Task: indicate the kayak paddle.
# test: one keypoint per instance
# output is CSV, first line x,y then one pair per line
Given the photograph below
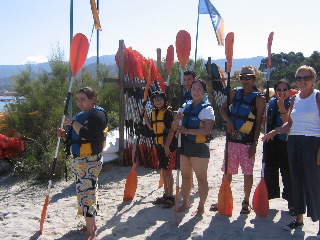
x,y
225,199
78,54
183,47
260,201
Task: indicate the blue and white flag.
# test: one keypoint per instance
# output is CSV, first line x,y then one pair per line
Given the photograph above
x,y
205,7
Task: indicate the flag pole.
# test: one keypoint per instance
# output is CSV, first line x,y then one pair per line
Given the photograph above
x,y
71,37
195,54
97,43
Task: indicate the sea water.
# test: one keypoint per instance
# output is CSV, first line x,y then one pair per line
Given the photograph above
x,y
4,100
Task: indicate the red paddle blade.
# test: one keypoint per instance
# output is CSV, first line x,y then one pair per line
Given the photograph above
x,y
183,47
131,184
260,201
43,214
169,58
78,52
225,199
270,39
229,50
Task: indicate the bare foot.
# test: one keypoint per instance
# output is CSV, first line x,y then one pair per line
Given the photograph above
x,y
84,228
198,212
90,237
182,208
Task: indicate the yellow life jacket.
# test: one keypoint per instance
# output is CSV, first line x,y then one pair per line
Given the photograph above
x,y
157,121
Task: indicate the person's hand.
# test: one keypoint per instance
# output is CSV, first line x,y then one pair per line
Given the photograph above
x,y
182,129
230,126
175,122
167,151
252,150
265,119
68,122
61,133
269,136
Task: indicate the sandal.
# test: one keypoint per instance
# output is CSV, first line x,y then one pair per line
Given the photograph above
x,y
214,207
169,202
160,200
245,207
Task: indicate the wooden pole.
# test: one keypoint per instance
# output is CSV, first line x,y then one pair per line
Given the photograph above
x,y
159,64
210,80
121,104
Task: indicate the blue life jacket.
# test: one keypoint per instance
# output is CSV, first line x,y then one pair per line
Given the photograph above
x,y
82,147
243,112
274,115
191,121
187,96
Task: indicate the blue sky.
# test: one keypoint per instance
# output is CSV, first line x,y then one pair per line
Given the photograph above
x,y
31,29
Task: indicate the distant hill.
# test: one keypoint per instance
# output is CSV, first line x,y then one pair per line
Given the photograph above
x,y
6,71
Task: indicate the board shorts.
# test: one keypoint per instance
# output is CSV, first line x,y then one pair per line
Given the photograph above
x,y
190,149
86,171
163,159
238,154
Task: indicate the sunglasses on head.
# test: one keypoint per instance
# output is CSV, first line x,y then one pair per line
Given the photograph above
x,y
282,89
306,78
157,98
246,77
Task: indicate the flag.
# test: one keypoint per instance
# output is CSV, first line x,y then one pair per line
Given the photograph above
x,y
205,7
95,15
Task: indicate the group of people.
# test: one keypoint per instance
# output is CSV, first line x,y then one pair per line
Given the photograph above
x,y
291,145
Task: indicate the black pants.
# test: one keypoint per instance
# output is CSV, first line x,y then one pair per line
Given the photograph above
x,y
276,158
305,174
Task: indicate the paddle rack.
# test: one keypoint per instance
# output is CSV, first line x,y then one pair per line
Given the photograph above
x,y
123,84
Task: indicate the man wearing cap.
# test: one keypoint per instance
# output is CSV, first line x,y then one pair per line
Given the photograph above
x,y
243,129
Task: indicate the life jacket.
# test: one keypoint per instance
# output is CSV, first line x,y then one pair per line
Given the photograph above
x,y
243,112
191,120
187,96
81,147
159,128
10,147
274,115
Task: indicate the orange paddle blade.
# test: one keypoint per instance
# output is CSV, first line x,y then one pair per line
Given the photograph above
x,y
169,59
260,201
229,50
270,39
78,52
131,184
44,212
225,199
183,47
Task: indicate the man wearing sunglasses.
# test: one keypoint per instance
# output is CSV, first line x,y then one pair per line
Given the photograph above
x,y
243,129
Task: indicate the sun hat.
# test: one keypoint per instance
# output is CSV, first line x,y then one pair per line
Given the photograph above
x,y
247,70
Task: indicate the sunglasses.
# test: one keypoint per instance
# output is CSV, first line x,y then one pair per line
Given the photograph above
x,y
282,89
157,99
246,77
306,78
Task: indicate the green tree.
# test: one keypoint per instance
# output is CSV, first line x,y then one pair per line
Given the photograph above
x,y
283,65
37,117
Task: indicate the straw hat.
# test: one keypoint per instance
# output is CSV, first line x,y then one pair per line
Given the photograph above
x,y
247,70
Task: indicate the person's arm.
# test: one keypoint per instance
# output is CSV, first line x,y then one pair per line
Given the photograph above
x,y
146,118
260,105
224,114
285,128
94,128
284,113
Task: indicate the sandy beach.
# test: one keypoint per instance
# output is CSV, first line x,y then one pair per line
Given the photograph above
x,y
21,204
